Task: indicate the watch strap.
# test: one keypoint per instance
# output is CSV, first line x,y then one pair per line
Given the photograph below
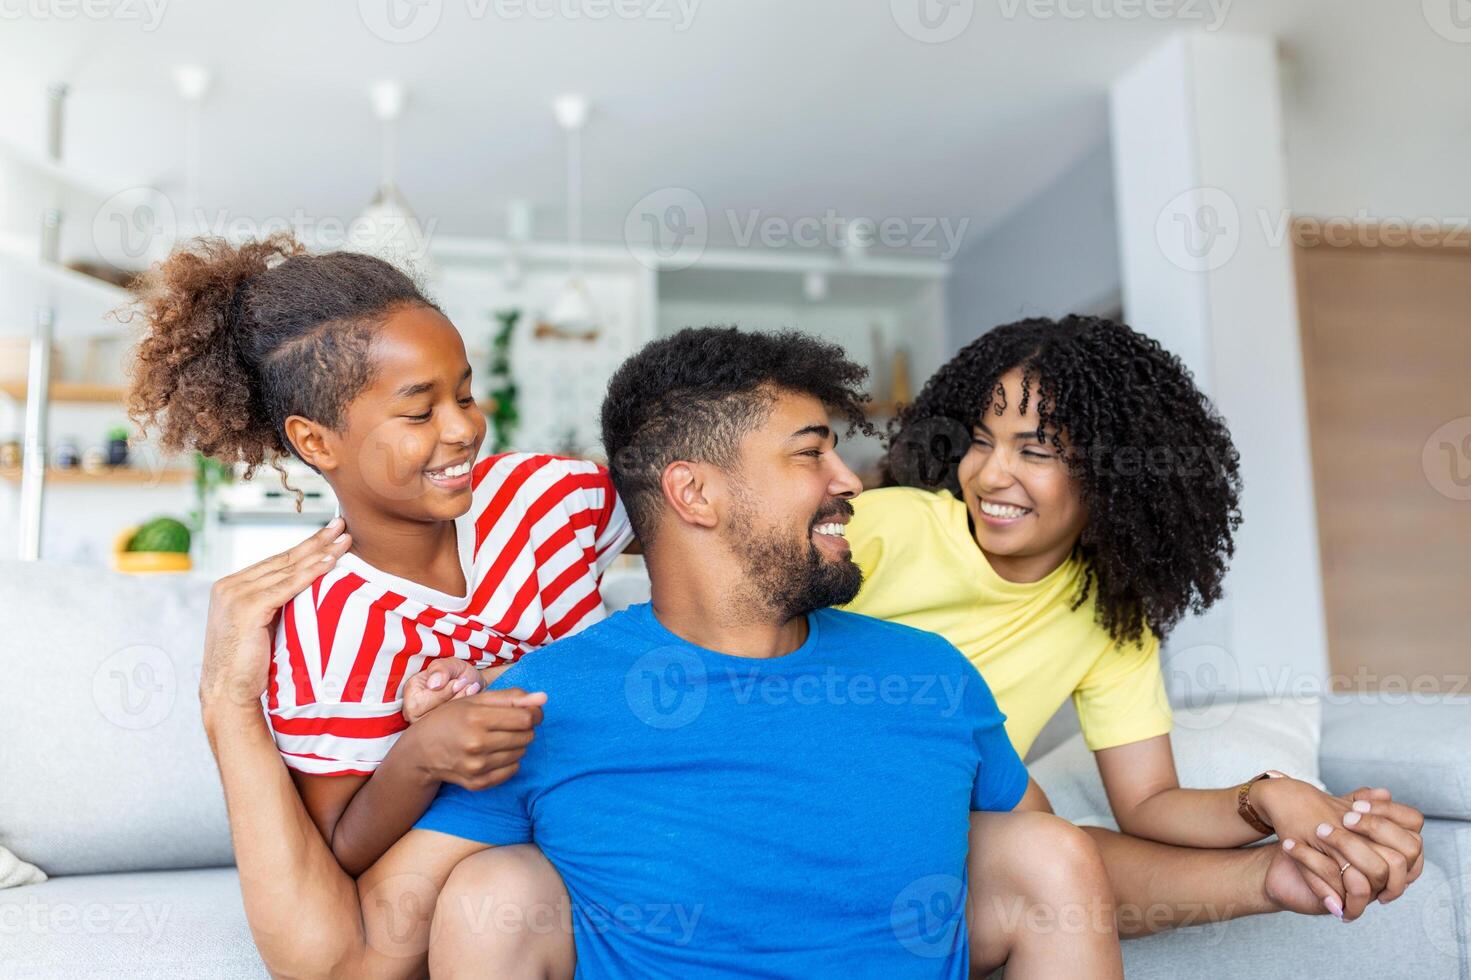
x,y
1249,812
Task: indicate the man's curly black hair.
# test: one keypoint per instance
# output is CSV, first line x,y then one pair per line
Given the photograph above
x,y
1154,461
693,396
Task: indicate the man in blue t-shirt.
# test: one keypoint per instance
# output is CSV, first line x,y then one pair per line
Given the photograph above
x,y
734,779
715,814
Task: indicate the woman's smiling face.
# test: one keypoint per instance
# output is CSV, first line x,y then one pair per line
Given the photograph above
x,y
1024,504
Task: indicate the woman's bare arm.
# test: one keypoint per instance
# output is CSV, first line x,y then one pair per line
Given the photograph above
x,y
308,917
1376,840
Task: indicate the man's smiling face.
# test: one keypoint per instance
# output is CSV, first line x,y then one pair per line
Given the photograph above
x,y
788,505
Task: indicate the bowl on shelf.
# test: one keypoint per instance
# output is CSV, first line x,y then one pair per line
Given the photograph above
x,y
145,562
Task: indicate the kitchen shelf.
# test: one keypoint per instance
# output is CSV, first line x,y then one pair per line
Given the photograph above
x,y
71,391
114,475
59,177
18,255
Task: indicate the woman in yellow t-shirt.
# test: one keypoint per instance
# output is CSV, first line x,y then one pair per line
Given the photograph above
x,y
1056,499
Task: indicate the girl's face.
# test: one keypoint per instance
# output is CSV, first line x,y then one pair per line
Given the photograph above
x,y
1024,504
412,436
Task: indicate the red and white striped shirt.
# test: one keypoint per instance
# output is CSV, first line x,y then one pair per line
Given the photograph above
x,y
539,533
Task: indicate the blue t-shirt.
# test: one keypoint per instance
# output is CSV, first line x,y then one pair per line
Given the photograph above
x,y
722,816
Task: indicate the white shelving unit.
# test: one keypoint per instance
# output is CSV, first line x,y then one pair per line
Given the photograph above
x,y
40,296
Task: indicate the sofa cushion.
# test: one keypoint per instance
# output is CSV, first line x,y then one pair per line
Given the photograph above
x,y
147,925
1448,846
1419,747
106,766
1213,747
1415,936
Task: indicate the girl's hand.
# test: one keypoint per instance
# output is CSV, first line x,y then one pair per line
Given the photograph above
x,y
242,610
1376,838
446,679
476,741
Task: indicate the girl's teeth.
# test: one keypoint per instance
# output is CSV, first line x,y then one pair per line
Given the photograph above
x,y
1004,511
450,472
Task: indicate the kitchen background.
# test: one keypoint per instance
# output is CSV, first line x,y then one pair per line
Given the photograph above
x,y
572,178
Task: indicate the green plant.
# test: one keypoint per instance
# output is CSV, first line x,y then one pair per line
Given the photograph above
x,y
502,410
209,475
118,433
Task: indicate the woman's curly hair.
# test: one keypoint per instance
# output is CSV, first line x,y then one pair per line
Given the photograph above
x,y
238,338
1153,460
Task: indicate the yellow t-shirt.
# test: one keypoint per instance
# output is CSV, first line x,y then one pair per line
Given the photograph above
x,y
922,568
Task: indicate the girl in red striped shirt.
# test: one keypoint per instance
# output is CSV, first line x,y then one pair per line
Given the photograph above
x,y
259,351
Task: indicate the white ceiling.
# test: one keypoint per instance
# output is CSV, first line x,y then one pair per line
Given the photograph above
x,y
789,107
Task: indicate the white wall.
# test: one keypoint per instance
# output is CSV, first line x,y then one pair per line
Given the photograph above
x,y
1056,254
1197,137
1376,98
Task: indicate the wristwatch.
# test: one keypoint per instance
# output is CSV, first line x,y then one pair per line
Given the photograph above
x,y
1247,811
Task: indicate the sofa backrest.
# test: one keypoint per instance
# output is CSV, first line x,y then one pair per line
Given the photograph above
x,y
104,764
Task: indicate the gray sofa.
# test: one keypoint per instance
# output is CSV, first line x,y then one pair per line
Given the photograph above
x,y
107,784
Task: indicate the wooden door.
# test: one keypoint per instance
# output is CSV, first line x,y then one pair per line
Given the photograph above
x,y
1386,336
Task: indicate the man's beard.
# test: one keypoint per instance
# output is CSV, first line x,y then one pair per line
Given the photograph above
x,y
791,577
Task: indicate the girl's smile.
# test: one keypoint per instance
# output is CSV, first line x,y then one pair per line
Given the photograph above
x,y
453,477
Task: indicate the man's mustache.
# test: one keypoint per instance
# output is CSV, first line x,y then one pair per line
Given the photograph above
x,y
837,507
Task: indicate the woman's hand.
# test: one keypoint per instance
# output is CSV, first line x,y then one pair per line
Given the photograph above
x,y
1377,838
242,610
476,741
446,679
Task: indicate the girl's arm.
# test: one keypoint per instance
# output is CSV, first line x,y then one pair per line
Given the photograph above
x,y
1379,839
475,742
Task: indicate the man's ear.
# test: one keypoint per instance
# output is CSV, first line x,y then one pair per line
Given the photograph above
x,y
686,491
314,443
